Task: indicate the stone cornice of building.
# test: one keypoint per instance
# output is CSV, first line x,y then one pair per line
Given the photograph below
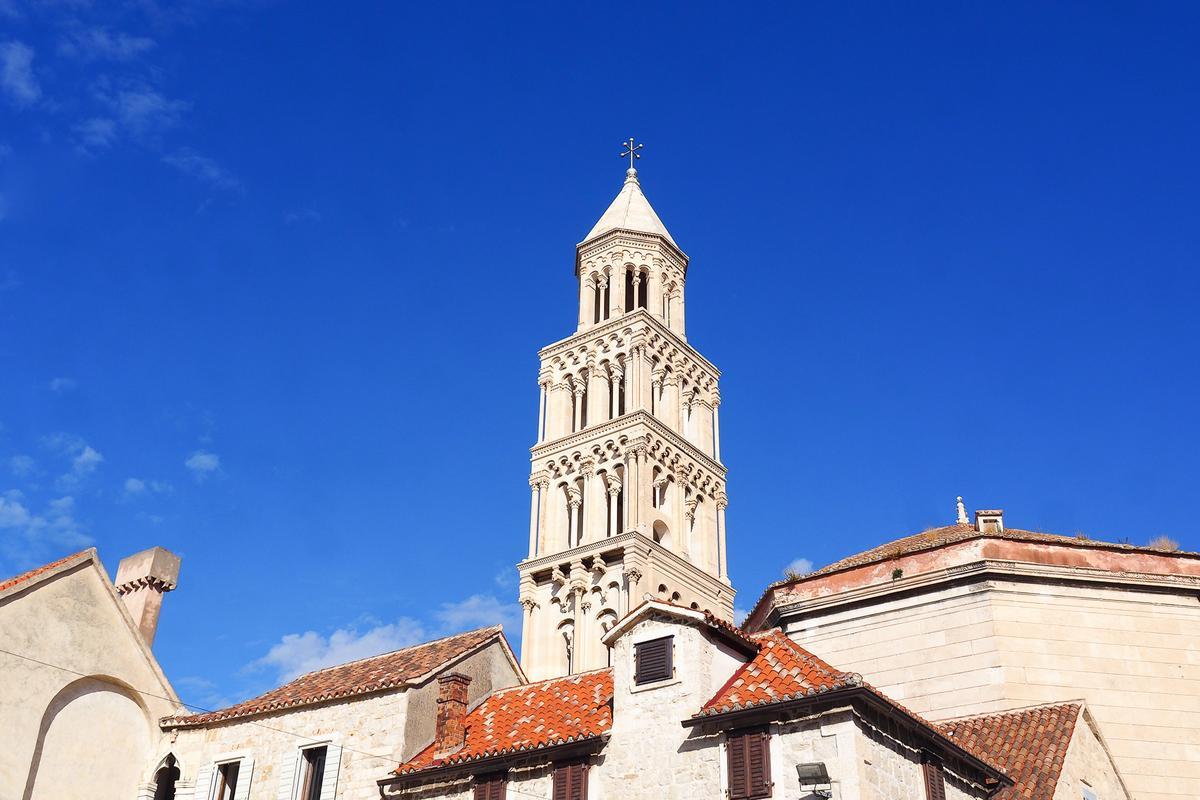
x,y
622,541
635,239
602,329
978,570
629,420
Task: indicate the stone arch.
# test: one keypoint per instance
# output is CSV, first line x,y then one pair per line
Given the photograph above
x,y
92,742
662,533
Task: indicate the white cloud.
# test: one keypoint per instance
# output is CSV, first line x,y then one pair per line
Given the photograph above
x,y
479,611
136,487
62,384
16,73
297,653
739,615
96,133
204,169
801,566
84,458
100,44
144,110
203,463
12,513
27,535
200,694
21,465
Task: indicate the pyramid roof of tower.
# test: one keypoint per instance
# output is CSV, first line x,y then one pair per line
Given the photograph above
x,y
630,211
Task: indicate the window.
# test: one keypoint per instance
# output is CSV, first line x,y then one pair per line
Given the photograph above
x,y
225,783
652,660
312,773
165,778
749,764
490,787
935,780
570,781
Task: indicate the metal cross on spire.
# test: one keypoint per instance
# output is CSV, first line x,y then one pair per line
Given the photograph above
x,y
631,151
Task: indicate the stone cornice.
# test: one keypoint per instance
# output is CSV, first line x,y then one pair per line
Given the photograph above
x,y
623,542
981,570
601,330
628,421
634,239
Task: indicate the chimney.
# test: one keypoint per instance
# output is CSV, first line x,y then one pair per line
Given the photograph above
x,y
990,520
451,732
141,581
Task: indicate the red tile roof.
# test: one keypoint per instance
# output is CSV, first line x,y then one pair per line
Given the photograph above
x,y
531,717
377,673
1030,745
782,670
33,573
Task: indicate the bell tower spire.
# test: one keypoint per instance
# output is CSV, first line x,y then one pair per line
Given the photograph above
x,y
627,486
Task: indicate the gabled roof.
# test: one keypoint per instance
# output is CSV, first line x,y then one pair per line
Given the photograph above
x,y
395,670
630,211
725,630
530,717
1029,744
782,670
46,570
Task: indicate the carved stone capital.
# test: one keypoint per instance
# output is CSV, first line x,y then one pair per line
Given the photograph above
x,y
539,480
614,488
529,604
587,467
635,574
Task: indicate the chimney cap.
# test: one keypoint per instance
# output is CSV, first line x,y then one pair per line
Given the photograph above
x,y
989,520
157,567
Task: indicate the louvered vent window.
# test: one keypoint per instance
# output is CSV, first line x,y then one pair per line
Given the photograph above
x,y
652,660
935,780
570,781
749,764
490,787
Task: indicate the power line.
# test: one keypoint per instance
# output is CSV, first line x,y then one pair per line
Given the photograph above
x,y
202,709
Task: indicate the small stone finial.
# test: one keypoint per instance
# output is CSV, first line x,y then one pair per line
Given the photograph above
x,y
962,513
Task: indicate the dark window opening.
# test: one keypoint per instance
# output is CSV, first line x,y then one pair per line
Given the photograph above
x,y
165,778
643,285
652,660
227,777
749,758
628,290
312,773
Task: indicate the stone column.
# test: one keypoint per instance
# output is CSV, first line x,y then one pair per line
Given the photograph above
x,y
596,395
559,421
635,455
543,487
716,423
587,299
670,401
656,393
616,381
534,495
578,418
592,507
689,525
722,559
543,388
678,523
614,492
528,604
702,426
654,290
574,501
637,290
660,493
678,314
616,290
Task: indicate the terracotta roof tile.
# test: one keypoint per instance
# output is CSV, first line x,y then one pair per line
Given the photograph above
x,y
377,673
782,670
33,573
531,717
1030,745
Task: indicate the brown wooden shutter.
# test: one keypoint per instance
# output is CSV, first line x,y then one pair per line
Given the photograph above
x,y
758,761
935,780
570,781
735,746
653,660
490,787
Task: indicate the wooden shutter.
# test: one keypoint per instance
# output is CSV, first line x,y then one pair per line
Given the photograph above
x,y
490,787
245,774
653,660
935,781
333,765
570,781
204,782
749,761
287,777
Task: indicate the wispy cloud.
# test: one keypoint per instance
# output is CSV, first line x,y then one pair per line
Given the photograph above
x,y
141,109
203,464
297,653
799,566
101,44
25,535
63,385
137,487
96,133
204,169
200,694
21,466
478,611
16,73
83,457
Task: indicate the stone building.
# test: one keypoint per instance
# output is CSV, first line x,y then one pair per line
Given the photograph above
x,y
330,733
978,617
692,707
81,693
628,490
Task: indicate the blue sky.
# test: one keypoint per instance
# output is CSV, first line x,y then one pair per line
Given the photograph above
x,y
273,277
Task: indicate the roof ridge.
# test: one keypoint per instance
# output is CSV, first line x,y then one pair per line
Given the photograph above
x,y
1075,703
548,681
391,652
29,574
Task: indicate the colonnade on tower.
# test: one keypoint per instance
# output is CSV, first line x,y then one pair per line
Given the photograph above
x,y
627,489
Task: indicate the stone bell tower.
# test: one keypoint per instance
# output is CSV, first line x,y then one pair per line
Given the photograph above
x,y
628,491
